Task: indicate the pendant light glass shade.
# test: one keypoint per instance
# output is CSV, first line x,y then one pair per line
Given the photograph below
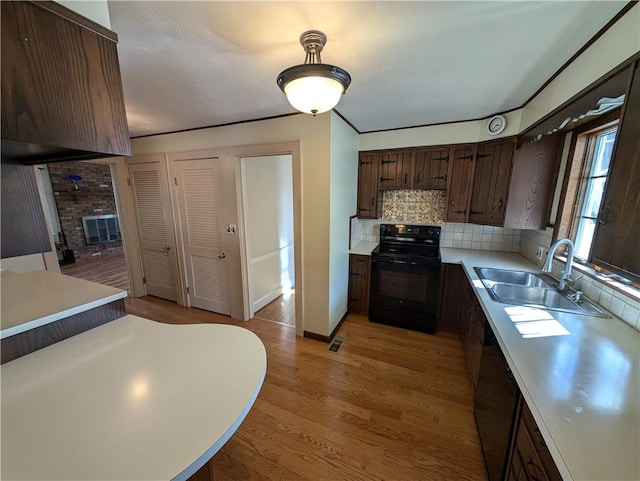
x,y
313,87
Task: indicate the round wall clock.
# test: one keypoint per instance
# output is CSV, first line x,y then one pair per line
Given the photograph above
x,y
496,124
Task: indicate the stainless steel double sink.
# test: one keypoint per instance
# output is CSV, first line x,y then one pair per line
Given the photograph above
x,y
533,290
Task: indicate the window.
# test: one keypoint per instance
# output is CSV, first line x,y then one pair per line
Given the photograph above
x,y
599,147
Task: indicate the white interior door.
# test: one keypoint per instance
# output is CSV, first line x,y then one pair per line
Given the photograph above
x,y
199,204
153,215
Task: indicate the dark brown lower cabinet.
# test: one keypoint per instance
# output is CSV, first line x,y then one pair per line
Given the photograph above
x,y
523,447
531,459
359,283
460,312
451,310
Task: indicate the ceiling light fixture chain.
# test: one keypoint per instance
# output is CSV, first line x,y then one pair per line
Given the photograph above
x,y
313,87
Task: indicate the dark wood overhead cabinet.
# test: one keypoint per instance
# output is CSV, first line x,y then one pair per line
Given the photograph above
x,y
369,198
62,93
430,168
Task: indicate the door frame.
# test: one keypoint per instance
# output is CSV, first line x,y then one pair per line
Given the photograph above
x,y
260,150
127,220
243,207
233,213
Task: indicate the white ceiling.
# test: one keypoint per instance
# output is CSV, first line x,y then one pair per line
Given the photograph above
x,y
194,64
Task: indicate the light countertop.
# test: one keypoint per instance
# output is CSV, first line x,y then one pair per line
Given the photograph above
x,y
33,299
580,376
131,399
363,248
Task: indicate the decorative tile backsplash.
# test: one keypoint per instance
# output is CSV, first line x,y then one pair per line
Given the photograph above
x,y
414,206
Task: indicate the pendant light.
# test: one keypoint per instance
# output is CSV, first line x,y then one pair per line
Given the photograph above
x,y
313,87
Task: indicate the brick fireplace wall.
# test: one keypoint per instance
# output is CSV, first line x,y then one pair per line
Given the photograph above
x,y
94,197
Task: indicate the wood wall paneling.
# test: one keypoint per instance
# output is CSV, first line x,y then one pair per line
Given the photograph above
x,y
24,228
618,226
32,340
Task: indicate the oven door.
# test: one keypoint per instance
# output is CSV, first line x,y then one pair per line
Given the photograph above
x,y
404,293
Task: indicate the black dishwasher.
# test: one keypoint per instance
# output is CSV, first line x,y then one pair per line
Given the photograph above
x,y
496,402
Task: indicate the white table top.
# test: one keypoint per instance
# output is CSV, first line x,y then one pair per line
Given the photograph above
x,y
33,299
131,399
583,387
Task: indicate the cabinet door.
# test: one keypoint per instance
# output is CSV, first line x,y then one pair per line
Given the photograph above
x,y
533,181
358,283
459,182
491,183
395,170
61,82
430,168
368,202
618,226
451,309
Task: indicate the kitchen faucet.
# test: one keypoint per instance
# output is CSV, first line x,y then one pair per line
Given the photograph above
x,y
564,275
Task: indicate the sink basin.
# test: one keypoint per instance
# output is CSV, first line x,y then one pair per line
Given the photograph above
x,y
529,289
521,278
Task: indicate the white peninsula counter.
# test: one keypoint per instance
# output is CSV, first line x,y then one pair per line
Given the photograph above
x,y
131,399
33,299
41,308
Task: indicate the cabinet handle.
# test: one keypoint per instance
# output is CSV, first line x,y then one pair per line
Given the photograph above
x,y
535,466
372,200
418,178
500,204
406,178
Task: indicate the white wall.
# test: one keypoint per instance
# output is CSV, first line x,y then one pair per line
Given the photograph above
x,y
344,181
267,184
96,10
313,136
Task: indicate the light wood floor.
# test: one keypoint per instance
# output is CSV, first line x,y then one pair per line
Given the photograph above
x,y
391,405
109,270
283,310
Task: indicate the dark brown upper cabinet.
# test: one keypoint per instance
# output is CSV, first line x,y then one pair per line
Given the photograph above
x,y
62,93
430,168
618,227
369,198
459,177
395,169
490,187
533,181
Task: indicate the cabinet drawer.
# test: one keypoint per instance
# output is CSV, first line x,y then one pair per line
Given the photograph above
x,y
540,446
528,456
357,260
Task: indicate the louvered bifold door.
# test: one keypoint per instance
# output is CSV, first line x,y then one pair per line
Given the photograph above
x,y
153,214
199,207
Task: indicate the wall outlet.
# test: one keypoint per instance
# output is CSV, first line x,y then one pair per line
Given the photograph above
x,y
231,229
540,252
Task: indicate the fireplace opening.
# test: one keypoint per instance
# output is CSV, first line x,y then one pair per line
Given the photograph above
x,y
100,229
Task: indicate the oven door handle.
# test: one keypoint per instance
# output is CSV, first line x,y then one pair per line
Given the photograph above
x,y
410,263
